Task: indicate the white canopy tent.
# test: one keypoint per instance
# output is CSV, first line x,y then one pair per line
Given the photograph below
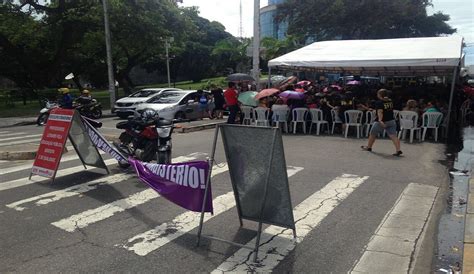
x,y
430,56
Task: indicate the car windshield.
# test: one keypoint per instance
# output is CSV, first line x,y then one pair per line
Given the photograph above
x,y
144,93
168,98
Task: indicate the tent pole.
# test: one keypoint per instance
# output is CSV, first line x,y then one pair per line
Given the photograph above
x,y
269,77
448,117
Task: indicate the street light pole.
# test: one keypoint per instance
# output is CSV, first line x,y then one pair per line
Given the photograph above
x,y
167,45
256,43
108,48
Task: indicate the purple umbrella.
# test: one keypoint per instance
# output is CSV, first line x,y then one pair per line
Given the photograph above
x,y
290,94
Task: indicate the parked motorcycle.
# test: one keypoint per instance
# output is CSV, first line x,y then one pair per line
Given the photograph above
x,y
146,137
44,112
92,110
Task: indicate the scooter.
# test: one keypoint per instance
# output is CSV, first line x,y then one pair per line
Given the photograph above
x,y
44,112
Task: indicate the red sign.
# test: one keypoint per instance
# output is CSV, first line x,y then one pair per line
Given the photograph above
x,y
52,143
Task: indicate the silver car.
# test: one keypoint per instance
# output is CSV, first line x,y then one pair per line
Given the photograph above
x,y
178,104
127,105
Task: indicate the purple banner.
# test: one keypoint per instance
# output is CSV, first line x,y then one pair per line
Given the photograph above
x,y
182,183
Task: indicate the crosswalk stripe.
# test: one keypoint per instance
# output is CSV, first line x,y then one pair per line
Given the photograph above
x,y
26,141
36,179
277,242
62,172
13,134
101,213
1,132
54,196
23,137
146,242
390,248
29,165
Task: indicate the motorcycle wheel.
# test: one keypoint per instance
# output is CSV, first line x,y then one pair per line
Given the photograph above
x,y
96,113
42,119
164,157
149,152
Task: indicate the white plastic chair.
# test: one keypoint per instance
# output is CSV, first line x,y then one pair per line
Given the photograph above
x,y
299,116
409,122
369,121
280,116
431,120
353,119
261,116
396,114
335,119
247,115
317,118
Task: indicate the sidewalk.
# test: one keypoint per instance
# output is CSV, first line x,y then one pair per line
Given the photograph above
x,y
468,253
24,121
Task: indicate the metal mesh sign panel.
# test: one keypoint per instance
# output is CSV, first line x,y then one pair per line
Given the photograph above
x,y
248,153
83,144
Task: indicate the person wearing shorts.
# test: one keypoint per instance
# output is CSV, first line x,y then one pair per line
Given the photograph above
x,y
385,120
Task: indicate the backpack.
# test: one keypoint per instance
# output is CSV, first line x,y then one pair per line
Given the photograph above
x,y
203,99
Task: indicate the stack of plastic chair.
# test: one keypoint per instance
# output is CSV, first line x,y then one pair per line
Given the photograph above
x,y
280,116
299,116
261,116
409,122
317,118
369,121
431,120
353,119
247,115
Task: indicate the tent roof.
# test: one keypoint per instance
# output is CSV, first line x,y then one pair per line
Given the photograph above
x,y
405,56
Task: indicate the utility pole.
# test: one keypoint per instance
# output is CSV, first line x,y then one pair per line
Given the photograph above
x,y
256,43
108,48
168,42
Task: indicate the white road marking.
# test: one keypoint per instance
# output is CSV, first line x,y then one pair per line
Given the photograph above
x,y
13,134
151,240
391,247
101,213
4,132
54,196
32,141
32,136
30,164
36,179
277,242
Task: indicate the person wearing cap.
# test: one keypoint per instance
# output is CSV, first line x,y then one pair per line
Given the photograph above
x,y
66,99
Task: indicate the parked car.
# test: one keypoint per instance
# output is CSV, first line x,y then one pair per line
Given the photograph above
x,y
178,104
127,105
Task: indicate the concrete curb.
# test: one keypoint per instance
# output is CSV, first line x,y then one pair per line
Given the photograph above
x,y
198,128
468,254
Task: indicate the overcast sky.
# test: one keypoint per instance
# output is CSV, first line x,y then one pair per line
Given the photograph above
x,y
227,13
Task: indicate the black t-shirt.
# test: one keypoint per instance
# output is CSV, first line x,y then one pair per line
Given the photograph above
x,y
387,107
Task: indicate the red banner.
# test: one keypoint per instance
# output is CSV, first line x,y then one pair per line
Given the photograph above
x,y
52,143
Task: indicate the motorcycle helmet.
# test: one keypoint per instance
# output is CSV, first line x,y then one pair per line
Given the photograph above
x,y
149,114
63,90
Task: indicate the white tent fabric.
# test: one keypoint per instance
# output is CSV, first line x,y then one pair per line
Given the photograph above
x,y
405,56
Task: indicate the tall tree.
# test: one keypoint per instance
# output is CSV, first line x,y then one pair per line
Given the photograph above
x,y
362,19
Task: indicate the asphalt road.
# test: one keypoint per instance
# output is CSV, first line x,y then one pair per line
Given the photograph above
x,y
355,211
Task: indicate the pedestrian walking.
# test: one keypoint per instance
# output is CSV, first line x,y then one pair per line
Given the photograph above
x,y
231,96
385,120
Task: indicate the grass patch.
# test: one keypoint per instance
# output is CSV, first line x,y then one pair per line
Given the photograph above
x,y
11,104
